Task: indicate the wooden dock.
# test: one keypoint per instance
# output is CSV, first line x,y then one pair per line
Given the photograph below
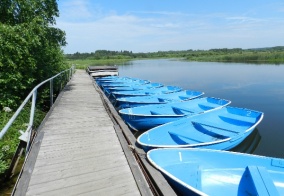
x,y
84,148
77,151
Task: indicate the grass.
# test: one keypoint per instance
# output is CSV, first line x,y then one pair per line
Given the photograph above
x,y
10,141
84,63
275,57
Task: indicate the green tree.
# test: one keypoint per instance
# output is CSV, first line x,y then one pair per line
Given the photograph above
x,y
30,47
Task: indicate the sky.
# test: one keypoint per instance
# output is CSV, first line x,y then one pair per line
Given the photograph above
x,y
163,25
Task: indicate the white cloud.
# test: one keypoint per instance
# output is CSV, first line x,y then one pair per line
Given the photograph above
x,y
244,19
160,13
80,11
90,27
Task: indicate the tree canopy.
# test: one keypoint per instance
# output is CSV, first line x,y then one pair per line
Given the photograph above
x,y
30,47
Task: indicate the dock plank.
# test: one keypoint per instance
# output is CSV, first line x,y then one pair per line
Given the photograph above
x,y
84,183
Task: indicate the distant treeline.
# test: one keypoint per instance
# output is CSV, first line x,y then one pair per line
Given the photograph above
x,y
269,55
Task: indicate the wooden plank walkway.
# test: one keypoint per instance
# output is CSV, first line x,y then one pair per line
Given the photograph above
x,y
77,151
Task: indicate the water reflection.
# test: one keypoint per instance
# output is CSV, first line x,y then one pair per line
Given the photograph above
x,y
249,144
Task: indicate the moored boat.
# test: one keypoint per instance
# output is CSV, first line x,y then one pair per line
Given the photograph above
x,y
184,95
132,87
102,71
217,173
146,117
161,90
120,80
220,129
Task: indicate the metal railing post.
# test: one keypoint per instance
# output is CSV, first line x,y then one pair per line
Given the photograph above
x,y
51,92
60,78
66,77
31,122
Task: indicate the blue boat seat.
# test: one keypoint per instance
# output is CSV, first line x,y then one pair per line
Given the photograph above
x,y
183,138
213,131
181,111
154,113
207,106
164,100
231,126
257,181
236,121
184,98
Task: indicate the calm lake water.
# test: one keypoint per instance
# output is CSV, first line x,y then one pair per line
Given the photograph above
x,y
254,86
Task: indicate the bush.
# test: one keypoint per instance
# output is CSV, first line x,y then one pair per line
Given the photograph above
x,y
30,49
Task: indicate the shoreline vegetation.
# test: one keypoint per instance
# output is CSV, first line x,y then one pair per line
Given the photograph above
x,y
270,55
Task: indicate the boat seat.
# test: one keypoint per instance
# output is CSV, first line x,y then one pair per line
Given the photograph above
x,y
236,121
164,100
214,131
183,139
181,111
229,127
155,113
207,107
257,181
184,97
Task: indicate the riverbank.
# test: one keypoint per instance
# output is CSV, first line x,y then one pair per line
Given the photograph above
x,y
239,56
273,55
84,63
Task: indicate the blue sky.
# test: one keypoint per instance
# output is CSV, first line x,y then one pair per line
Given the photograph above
x,y
162,25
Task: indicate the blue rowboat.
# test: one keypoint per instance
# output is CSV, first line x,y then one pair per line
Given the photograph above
x,y
108,78
220,129
185,95
122,81
133,87
106,86
161,90
146,117
219,173
126,82
111,79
